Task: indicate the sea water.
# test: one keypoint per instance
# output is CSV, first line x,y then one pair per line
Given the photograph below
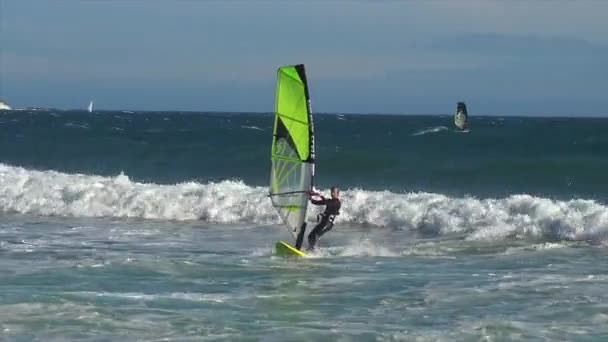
x,y
156,226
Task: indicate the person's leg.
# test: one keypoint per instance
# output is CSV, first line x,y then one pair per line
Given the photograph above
x,y
327,228
312,237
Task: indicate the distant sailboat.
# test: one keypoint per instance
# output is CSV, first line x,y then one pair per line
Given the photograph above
x,y
461,118
90,109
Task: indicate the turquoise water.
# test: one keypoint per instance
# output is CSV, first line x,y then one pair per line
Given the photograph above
x,y
104,279
156,226
500,156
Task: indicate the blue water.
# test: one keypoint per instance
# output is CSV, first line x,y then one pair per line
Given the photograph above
x,y
156,226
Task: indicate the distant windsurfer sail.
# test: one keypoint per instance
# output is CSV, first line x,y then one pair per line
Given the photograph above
x,y
461,117
90,108
293,152
4,106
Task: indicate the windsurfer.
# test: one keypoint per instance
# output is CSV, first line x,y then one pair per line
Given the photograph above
x,y
325,219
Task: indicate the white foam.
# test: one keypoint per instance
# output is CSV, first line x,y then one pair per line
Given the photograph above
x,y
536,247
83,126
360,248
255,128
430,130
517,216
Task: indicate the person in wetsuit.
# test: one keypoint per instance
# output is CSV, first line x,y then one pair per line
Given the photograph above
x,y
325,219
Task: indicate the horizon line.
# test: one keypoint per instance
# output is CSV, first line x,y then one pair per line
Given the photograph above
x,y
605,115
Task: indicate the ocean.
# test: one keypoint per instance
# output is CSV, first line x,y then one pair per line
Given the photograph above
x,y
155,226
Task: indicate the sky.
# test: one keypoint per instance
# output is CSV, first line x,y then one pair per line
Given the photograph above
x,y
400,57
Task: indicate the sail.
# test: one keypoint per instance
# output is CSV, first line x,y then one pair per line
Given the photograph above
x,y
461,117
4,106
90,108
293,150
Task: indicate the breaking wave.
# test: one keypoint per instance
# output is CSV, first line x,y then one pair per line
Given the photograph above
x,y
430,130
51,193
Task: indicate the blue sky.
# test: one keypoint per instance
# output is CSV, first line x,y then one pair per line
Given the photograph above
x,y
411,57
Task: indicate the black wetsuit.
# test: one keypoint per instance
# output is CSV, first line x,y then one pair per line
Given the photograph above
x,y
326,223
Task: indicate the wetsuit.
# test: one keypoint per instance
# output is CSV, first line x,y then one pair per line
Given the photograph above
x,y
326,222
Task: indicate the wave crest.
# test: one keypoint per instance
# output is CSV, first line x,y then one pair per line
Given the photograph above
x,y
517,216
430,130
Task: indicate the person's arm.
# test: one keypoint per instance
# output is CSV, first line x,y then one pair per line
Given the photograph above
x,y
322,201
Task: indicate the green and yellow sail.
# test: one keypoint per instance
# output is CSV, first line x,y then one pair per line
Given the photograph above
x,y
293,149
